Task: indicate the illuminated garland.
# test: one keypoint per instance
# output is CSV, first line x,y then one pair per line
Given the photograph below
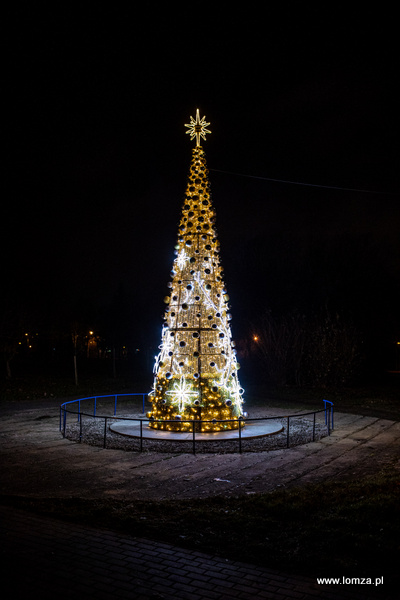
x,y
195,372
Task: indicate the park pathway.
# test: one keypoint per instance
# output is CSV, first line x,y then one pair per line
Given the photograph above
x,y
37,461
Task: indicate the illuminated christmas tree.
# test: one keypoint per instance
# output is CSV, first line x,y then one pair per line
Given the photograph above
x,y
196,370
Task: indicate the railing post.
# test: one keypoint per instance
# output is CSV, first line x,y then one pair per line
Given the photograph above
x,y
79,410
80,428
328,414
105,432
65,421
143,403
287,432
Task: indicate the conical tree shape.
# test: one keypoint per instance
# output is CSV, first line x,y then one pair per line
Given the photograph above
x,y
196,369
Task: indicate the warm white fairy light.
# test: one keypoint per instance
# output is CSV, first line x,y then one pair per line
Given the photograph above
x,y
235,392
197,128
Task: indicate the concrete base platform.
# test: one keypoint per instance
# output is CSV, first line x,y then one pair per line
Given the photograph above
x,y
253,429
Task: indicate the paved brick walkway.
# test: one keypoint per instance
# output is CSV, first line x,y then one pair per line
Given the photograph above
x,y
52,559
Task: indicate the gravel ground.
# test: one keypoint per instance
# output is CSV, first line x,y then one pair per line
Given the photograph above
x,y
301,432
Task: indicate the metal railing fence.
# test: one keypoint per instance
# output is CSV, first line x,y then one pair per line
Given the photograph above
x,y
327,410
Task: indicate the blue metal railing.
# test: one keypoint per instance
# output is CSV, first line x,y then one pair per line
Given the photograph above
x,y
95,398
327,410
328,414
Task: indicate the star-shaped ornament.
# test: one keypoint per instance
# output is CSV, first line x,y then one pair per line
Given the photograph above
x,y
197,128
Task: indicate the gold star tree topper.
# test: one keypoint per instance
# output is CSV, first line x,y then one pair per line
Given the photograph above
x,y
197,128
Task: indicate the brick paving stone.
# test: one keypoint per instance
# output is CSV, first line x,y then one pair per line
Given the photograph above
x,y
185,595
165,551
167,562
154,570
182,586
265,594
112,554
249,570
198,570
249,595
243,588
226,583
229,593
156,580
134,555
231,571
290,593
127,577
214,574
253,578
176,578
202,585
172,571
211,595
286,585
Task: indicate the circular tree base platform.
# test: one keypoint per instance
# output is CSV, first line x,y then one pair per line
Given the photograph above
x,y
255,429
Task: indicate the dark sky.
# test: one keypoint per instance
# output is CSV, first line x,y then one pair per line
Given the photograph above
x,y
97,155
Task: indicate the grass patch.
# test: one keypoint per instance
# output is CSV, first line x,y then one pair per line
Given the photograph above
x,y
382,401
342,529
38,387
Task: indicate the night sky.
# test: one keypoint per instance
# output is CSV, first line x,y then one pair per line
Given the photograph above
x,y
97,157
